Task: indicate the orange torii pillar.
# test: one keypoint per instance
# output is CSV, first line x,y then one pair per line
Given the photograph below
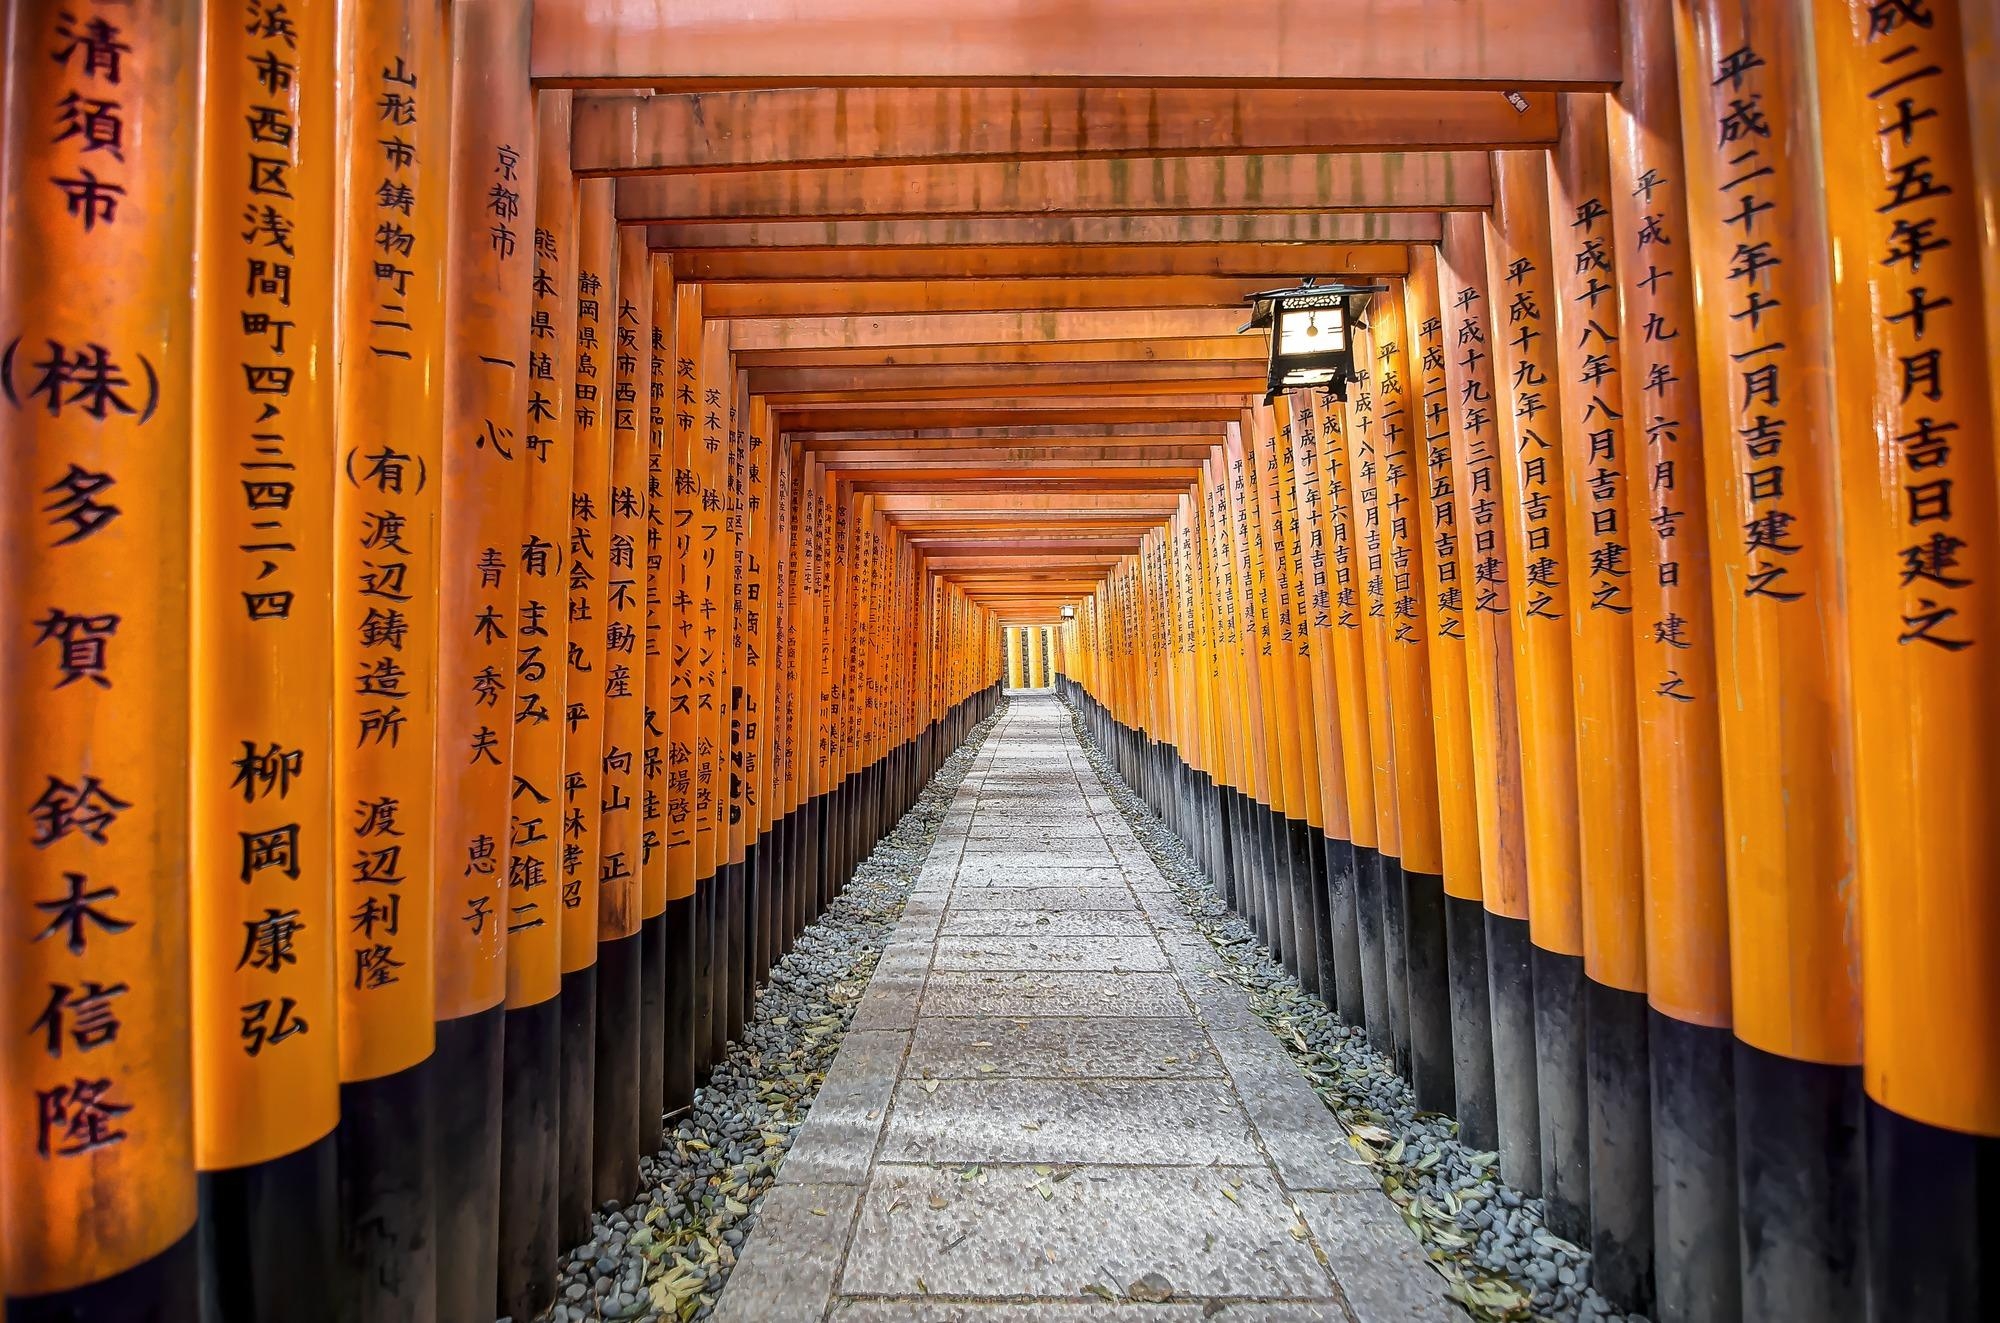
x,y
531,1094
618,1130
651,387
587,571
1446,569
710,569
1326,574
1478,453
1674,677
389,464
1385,986
1225,762
1519,267
747,697
1257,882
688,900
729,786
1757,221
663,805
1399,443
97,1185
1348,644
1308,859
1275,649
488,280
1598,468
261,848
1916,410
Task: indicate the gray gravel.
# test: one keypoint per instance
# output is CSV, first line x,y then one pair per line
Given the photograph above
x,y
1486,1238
667,1254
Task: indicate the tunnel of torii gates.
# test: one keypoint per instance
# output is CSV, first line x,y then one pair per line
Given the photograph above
x,y
505,502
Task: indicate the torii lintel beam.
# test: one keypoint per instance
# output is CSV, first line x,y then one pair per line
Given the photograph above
x,y
1383,181
1267,261
827,43
1058,231
680,132
1012,327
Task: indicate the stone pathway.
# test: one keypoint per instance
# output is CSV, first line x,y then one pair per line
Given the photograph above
x,y
1047,1111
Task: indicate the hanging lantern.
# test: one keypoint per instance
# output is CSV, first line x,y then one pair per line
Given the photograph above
x,y
1310,344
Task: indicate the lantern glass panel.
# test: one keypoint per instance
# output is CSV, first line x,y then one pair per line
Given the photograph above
x,y
1309,331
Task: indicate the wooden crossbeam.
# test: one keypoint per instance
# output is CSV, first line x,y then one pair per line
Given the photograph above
x,y
843,331
1284,262
1384,181
781,128
1130,228
828,43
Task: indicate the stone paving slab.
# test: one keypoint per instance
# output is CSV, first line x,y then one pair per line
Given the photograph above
x,y
1084,1121
985,922
1005,1237
976,875
1044,1090
1000,993
1043,897
1039,952
1075,1047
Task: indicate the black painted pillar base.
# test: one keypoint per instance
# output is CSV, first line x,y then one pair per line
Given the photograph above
x,y
1304,918
758,885
1396,955
1510,989
385,1169
1696,1255
465,1097
530,1119
1801,1191
677,1058
1616,1025
1429,980
615,1117
164,1289
652,1029
1562,1092
701,1023
576,1113
1348,997
1374,953
1934,1221
1326,977
729,959
1471,1024
267,1236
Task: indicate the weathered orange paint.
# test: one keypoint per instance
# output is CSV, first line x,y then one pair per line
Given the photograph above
x,y
1912,354
389,463
489,251
1677,689
1399,492
1597,469
263,936
1519,270
590,570
1765,356
1477,454
535,911
1446,572
87,1211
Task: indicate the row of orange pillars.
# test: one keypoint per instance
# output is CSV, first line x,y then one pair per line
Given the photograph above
x,y
1594,703
434,694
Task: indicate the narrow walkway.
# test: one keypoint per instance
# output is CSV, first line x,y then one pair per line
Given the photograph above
x,y
1046,1105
